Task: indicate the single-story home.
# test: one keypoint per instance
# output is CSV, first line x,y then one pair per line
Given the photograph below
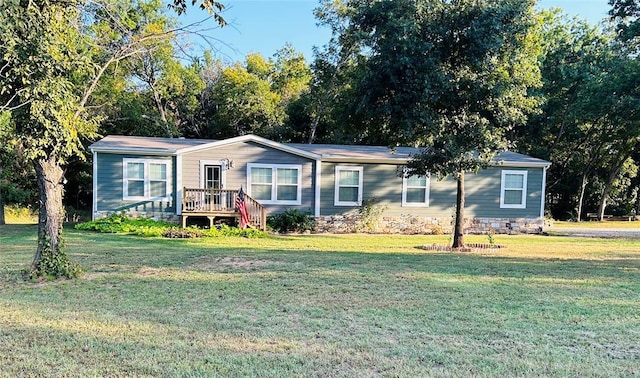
x,y
179,179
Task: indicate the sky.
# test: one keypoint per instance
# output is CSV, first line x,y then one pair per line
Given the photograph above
x,y
265,26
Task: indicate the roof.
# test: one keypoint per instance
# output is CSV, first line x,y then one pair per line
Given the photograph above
x,y
356,153
121,144
323,152
137,144
510,158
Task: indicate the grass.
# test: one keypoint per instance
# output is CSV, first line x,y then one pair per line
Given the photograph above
x,y
20,214
322,305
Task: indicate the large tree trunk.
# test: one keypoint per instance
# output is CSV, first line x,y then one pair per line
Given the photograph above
x,y
50,260
458,232
613,174
583,187
2,220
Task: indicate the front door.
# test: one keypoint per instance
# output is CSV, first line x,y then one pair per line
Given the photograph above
x,y
213,180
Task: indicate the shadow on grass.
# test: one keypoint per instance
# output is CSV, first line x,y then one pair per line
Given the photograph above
x,y
126,254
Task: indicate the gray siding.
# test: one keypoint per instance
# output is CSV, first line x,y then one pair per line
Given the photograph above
x,y
379,180
242,154
383,182
110,186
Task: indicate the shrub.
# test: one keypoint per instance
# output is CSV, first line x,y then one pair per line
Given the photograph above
x,y
183,233
147,227
118,223
292,220
225,230
370,212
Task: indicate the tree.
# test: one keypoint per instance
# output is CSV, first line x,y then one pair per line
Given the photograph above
x,y
450,75
588,124
244,100
334,68
4,121
54,54
254,97
572,118
625,14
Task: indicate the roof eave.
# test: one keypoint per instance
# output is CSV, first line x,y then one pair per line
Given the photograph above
x,y
365,160
252,138
515,164
134,151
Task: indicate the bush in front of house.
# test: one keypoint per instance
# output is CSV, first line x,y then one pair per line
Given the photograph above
x,y
292,220
148,227
118,223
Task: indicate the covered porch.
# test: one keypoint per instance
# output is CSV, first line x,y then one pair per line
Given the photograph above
x,y
220,203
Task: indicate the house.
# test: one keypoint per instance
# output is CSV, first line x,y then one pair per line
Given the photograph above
x,y
179,179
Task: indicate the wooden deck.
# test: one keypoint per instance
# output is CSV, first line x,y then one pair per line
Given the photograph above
x,y
212,203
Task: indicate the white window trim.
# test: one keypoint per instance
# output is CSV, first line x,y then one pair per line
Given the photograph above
x,y
336,199
427,189
274,184
523,204
147,179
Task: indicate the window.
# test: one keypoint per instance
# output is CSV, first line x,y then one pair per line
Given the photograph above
x,y
415,191
348,190
275,183
145,179
513,190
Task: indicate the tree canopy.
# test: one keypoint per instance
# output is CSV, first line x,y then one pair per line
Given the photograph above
x,y
452,77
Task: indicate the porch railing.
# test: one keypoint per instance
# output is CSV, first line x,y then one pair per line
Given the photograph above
x,y
221,202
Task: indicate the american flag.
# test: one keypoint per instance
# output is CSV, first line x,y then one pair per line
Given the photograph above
x,y
241,207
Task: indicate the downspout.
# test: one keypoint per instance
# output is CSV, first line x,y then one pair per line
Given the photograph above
x,y
317,188
178,191
94,205
544,194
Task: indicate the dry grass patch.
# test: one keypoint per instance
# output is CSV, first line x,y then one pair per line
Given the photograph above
x,y
325,305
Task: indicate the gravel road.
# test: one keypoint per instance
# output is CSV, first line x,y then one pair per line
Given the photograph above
x,y
598,232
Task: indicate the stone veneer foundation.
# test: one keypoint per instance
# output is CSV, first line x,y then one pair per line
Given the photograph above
x,y
411,224
403,224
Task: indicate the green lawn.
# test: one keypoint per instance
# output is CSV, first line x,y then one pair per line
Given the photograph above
x,y
326,305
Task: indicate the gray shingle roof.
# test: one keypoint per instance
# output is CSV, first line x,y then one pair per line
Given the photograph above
x,y
169,145
339,151
329,152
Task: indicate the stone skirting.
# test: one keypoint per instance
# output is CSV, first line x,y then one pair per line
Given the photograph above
x,y
411,224
403,224
145,214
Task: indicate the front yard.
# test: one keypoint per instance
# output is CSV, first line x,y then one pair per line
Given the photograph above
x,y
322,305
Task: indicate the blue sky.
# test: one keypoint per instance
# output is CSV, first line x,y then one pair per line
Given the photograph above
x,y
265,26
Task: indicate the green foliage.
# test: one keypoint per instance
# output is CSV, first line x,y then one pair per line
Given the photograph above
x,y
117,223
370,212
53,55
246,103
251,97
225,230
291,220
182,233
54,263
491,237
625,15
140,226
452,77
21,214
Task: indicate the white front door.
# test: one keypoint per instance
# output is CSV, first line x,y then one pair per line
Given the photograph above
x,y
212,176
